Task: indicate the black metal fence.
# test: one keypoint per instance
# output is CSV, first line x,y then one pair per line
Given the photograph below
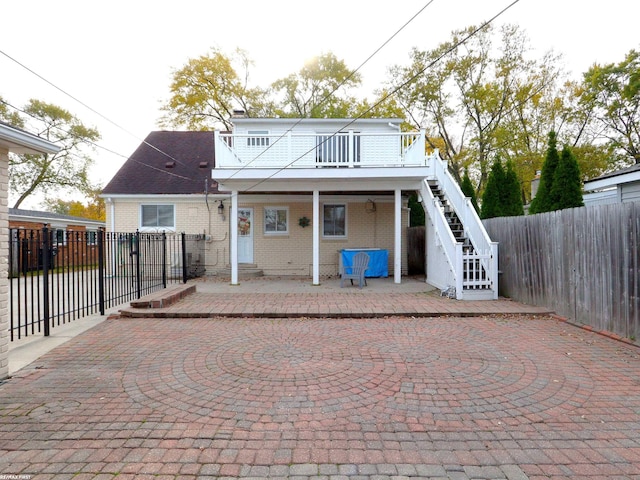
x,y
59,276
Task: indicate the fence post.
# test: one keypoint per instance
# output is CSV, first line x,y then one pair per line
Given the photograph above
x,y
184,257
495,273
164,259
136,252
46,247
101,269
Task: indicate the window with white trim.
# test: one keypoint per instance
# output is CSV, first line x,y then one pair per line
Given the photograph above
x,y
157,217
276,220
334,220
257,138
59,236
92,237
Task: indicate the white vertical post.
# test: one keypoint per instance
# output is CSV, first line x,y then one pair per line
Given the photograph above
x,y
494,269
4,264
397,253
350,149
459,271
316,237
233,230
112,214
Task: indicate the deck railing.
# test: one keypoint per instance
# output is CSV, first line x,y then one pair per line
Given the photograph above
x,y
306,150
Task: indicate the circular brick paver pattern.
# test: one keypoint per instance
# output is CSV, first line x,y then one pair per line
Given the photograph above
x,y
502,398
354,373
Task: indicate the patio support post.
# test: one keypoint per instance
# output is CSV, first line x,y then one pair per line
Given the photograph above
x,y
397,253
233,230
316,237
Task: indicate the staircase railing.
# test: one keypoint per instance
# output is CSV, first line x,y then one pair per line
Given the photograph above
x,y
486,250
451,247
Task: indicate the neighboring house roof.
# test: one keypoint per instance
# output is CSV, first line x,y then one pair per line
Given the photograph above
x,y
50,217
19,141
169,163
611,179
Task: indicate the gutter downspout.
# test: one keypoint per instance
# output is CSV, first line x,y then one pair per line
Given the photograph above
x,y
112,214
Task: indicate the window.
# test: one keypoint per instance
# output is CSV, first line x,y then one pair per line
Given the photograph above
x,y
92,237
59,236
334,149
157,216
276,220
334,222
257,138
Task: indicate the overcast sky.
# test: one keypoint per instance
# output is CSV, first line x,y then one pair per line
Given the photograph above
x,y
117,56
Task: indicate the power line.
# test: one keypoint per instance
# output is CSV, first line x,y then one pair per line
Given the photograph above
x,y
340,85
398,88
384,98
90,108
93,144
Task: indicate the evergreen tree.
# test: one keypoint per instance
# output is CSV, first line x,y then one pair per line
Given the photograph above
x,y
511,197
566,191
416,211
491,199
468,191
542,203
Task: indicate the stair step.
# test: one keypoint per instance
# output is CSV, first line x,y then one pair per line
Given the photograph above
x,y
244,271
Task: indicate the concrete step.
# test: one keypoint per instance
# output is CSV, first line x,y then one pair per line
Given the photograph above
x,y
477,294
245,270
165,297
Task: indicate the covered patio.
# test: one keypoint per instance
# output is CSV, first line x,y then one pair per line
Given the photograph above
x,y
316,183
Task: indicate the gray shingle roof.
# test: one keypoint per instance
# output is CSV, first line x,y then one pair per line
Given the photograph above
x,y
167,163
39,215
623,171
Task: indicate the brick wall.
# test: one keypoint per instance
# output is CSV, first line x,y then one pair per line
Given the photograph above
x,y
292,254
289,254
192,217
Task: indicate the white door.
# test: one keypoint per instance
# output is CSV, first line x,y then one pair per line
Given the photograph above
x,y
245,235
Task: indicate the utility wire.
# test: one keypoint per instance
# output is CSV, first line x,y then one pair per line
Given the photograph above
x,y
384,98
398,88
90,108
93,144
340,85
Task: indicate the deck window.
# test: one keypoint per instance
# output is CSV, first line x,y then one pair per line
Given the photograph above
x,y
157,216
276,220
334,220
258,138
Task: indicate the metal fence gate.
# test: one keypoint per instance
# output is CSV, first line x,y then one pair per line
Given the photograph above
x,y
59,276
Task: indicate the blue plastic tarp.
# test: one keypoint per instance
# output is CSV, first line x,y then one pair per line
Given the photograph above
x,y
378,260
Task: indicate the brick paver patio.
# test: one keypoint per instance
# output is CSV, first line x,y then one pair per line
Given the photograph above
x,y
497,397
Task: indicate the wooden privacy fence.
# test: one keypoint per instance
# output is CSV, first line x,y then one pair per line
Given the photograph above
x,y
584,263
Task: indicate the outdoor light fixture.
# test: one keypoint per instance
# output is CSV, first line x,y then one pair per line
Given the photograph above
x,y
221,208
370,206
